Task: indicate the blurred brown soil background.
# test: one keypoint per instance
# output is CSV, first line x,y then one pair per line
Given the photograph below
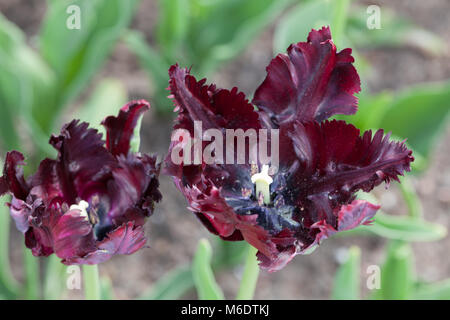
x,y
174,232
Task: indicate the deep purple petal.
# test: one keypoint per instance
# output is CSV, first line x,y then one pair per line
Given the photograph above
x,y
207,221
47,183
336,160
20,212
279,262
350,216
72,235
311,198
216,108
12,179
120,129
52,231
220,219
33,241
274,250
311,82
126,239
39,236
134,189
83,162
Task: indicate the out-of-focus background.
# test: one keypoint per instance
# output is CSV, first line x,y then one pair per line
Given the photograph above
x,y
50,74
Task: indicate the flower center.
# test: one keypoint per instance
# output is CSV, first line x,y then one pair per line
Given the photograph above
x,y
88,211
82,207
262,182
96,213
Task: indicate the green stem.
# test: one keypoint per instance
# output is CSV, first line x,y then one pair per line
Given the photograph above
x,y
91,282
54,278
203,275
411,198
249,277
7,280
31,264
339,20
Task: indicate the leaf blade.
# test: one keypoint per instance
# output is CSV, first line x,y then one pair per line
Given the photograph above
x,y
205,283
347,278
397,273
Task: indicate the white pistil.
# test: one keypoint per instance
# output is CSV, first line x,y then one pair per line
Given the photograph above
x,y
82,206
262,182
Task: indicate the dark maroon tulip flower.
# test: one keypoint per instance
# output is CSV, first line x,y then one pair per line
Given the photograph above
x,y
92,201
322,163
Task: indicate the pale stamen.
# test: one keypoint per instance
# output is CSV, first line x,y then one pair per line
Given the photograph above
x,y
262,181
82,207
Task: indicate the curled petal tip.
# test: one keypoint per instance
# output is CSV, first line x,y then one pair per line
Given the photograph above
x,y
120,129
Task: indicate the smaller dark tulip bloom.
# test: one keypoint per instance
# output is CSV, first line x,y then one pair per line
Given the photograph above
x,y
92,201
322,163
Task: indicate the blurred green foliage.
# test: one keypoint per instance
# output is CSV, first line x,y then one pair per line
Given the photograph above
x,y
9,287
173,285
397,273
202,34
37,85
346,281
204,281
398,279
